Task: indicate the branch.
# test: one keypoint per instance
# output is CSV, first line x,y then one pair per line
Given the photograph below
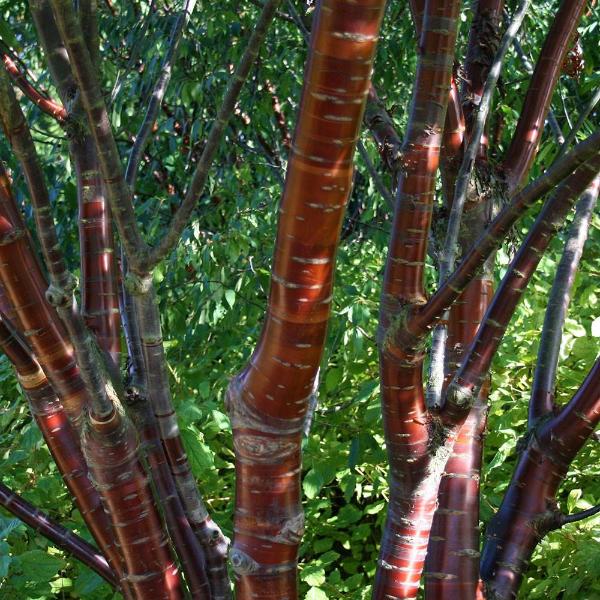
x,y
527,512
379,184
63,538
421,319
54,50
474,368
556,130
523,146
580,516
448,256
158,93
60,293
542,392
185,210
383,130
585,113
50,107
162,418
86,75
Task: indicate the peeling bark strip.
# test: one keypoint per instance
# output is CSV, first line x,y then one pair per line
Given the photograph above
x,y
62,441
269,399
25,287
529,509
63,538
530,126
110,448
413,496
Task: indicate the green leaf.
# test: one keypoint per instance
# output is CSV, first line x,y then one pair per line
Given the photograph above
x,y
314,575
230,297
40,566
316,594
312,484
5,561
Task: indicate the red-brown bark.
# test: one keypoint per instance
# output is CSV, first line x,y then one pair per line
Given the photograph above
x,y
269,399
524,143
62,441
406,424
529,509
49,106
110,448
25,286
474,368
100,300
63,538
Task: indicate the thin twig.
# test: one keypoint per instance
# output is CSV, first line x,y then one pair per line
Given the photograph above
x,y
584,514
185,210
585,113
381,187
158,93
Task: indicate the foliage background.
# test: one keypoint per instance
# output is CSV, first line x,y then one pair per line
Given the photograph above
x,y
213,293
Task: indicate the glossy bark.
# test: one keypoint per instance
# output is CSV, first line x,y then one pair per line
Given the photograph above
x,y
269,399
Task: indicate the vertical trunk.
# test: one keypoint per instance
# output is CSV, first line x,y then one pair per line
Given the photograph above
x,y
413,482
268,401
100,302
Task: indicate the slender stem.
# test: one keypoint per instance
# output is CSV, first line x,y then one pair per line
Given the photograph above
x,y
379,184
580,516
185,543
542,393
185,210
449,250
63,538
159,396
524,143
50,107
585,113
381,126
158,93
